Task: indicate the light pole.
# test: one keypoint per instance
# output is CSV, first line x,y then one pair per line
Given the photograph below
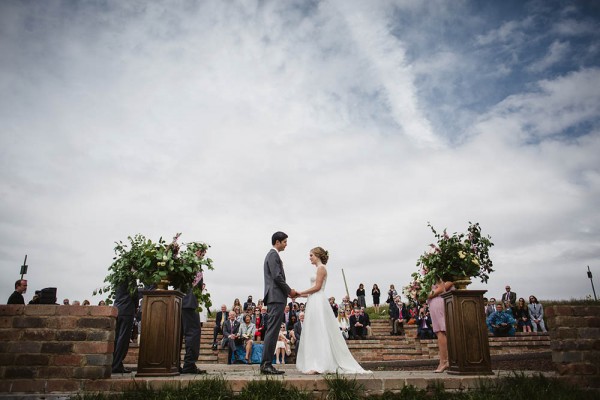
x,y
24,267
591,280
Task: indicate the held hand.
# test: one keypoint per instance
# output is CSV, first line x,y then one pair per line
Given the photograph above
x,y
293,293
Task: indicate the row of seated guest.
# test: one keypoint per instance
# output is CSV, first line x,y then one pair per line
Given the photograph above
x,y
526,317
236,333
357,325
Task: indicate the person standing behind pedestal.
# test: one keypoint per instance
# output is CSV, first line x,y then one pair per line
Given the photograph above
x,y
17,296
438,319
125,303
275,297
190,321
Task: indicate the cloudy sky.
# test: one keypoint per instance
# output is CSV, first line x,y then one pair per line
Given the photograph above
x,y
346,124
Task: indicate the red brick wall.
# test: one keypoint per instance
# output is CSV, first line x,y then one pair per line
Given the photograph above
x,y
575,342
45,346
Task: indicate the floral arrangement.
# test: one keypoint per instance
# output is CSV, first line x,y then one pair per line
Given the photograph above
x,y
143,262
456,255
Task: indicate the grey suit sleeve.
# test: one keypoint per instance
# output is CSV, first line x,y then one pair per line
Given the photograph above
x,y
276,271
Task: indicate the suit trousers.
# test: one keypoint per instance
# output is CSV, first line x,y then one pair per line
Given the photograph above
x,y
275,318
122,337
190,321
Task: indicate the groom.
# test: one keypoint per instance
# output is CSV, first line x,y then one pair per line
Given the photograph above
x,y
275,298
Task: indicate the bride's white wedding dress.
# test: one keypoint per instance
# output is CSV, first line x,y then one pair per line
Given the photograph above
x,y
322,346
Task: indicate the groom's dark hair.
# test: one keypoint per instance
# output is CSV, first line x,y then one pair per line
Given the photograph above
x,y
278,236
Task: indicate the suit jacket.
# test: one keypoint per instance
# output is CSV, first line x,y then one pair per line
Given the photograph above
x,y
221,316
536,311
124,301
354,319
510,296
276,289
190,300
367,320
230,329
394,311
298,330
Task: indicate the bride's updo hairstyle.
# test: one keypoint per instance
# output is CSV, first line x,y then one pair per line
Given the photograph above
x,y
321,254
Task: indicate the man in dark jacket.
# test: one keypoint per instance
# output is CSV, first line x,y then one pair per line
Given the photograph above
x,y
17,296
190,322
357,325
126,304
218,328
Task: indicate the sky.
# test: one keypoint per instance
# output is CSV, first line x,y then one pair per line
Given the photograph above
x,y
346,124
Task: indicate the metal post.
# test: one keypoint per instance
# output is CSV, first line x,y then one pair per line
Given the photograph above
x,y
24,267
589,273
345,284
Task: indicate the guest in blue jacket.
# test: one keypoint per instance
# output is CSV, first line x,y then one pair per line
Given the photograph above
x,y
501,323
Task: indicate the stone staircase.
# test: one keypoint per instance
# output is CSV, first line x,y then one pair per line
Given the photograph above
x,y
381,346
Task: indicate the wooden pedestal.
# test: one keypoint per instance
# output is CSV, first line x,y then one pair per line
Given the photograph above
x,y
160,341
468,345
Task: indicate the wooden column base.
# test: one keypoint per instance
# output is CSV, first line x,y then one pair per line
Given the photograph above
x,y
468,344
160,341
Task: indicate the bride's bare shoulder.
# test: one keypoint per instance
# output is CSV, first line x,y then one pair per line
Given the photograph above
x,y
322,270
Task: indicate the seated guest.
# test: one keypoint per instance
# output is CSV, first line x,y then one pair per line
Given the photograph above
x,y
424,328
363,312
508,307
536,314
297,332
357,325
231,336
249,303
218,328
236,302
398,316
282,346
501,323
259,327
491,307
344,324
239,315
521,314
290,327
246,333
334,307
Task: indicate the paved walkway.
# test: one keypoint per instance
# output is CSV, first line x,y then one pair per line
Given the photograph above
x,y
375,383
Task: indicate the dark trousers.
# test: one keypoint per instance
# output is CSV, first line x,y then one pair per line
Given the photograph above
x,y
274,320
191,332
216,331
122,336
357,332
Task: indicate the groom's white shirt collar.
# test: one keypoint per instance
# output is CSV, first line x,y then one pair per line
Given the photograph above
x,y
274,248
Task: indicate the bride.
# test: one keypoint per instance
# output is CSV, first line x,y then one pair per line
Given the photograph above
x,y
322,348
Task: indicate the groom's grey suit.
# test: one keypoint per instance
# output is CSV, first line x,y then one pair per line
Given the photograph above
x,y
276,294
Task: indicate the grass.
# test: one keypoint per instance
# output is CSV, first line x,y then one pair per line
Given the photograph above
x,y
516,386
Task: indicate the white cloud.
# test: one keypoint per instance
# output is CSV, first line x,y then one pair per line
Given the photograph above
x,y
229,121
556,53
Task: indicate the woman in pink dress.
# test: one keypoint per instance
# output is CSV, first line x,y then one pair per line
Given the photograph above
x,y
438,319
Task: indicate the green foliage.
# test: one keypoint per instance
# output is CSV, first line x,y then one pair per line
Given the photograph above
x,y
271,389
462,254
142,261
342,388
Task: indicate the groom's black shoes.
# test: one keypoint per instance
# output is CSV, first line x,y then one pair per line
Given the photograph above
x,y
269,370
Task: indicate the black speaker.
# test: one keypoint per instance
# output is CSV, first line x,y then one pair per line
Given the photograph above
x,y
48,296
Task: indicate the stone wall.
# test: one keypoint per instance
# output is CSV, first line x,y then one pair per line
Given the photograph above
x,y
575,342
47,348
